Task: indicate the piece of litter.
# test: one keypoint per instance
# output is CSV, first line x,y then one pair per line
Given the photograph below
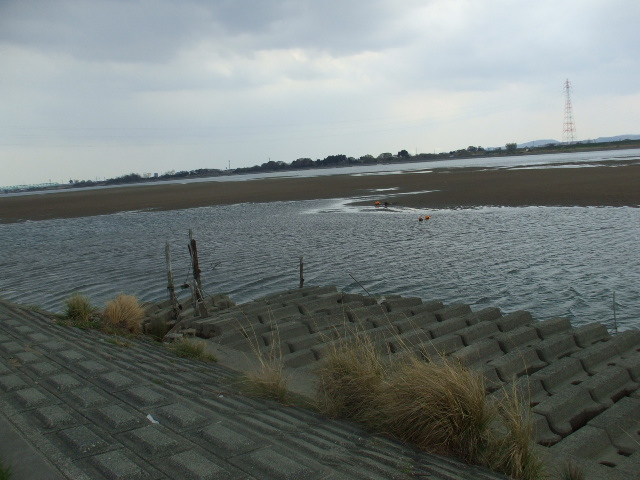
x,y
221,396
151,419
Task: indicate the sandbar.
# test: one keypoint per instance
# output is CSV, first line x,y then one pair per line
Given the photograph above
x,y
615,184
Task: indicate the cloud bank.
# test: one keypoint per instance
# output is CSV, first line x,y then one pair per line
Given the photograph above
x,y
92,89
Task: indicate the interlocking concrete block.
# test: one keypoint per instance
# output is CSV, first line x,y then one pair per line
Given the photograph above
x,y
439,347
552,326
632,364
478,332
83,441
306,342
517,363
487,314
322,303
517,338
627,343
430,306
299,359
452,311
401,304
285,332
478,353
447,326
559,374
598,356
353,299
542,434
569,409
389,318
271,315
296,294
591,333
514,320
320,323
556,347
528,389
610,385
590,443
407,341
362,314
621,422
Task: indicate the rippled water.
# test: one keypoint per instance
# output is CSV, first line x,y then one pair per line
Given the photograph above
x,y
550,261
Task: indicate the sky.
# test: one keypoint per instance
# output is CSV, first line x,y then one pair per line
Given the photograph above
x,y
94,89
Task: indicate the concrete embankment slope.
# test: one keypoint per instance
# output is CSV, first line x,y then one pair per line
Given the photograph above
x,y
78,404
581,382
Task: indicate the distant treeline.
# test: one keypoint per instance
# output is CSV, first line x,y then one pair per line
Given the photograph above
x,y
340,160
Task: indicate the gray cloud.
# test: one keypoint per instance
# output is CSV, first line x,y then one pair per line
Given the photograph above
x,y
231,79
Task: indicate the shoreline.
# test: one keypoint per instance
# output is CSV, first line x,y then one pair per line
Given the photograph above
x,y
613,185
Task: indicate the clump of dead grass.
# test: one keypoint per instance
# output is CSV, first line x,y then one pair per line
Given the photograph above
x,y
268,380
511,446
79,311
570,470
124,313
349,377
440,406
193,349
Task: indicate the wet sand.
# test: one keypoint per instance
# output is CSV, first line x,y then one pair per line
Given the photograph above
x,y
612,185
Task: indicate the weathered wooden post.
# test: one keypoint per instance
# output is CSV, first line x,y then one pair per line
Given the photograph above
x,y
301,271
175,305
198,298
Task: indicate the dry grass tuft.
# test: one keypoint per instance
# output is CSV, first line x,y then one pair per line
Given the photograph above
x,y
125,313
195,350
511,449
350,377
570,470
269,381
438,406
79,311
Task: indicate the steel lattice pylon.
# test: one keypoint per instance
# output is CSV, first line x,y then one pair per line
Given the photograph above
x,y
568,128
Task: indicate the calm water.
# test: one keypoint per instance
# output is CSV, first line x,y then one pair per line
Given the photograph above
x,y
550,261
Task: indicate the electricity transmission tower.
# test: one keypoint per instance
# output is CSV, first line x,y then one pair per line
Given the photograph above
x,y
568,128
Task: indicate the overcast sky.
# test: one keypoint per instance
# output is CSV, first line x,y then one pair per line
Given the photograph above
x,y
100,88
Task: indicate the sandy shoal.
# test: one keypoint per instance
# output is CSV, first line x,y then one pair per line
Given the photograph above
x,y
614,185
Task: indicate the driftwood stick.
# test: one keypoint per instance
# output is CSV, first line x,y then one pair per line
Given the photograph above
x,y
301,271
175,305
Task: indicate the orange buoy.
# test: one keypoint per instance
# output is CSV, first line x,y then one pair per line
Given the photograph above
x,y
427,217
377,204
